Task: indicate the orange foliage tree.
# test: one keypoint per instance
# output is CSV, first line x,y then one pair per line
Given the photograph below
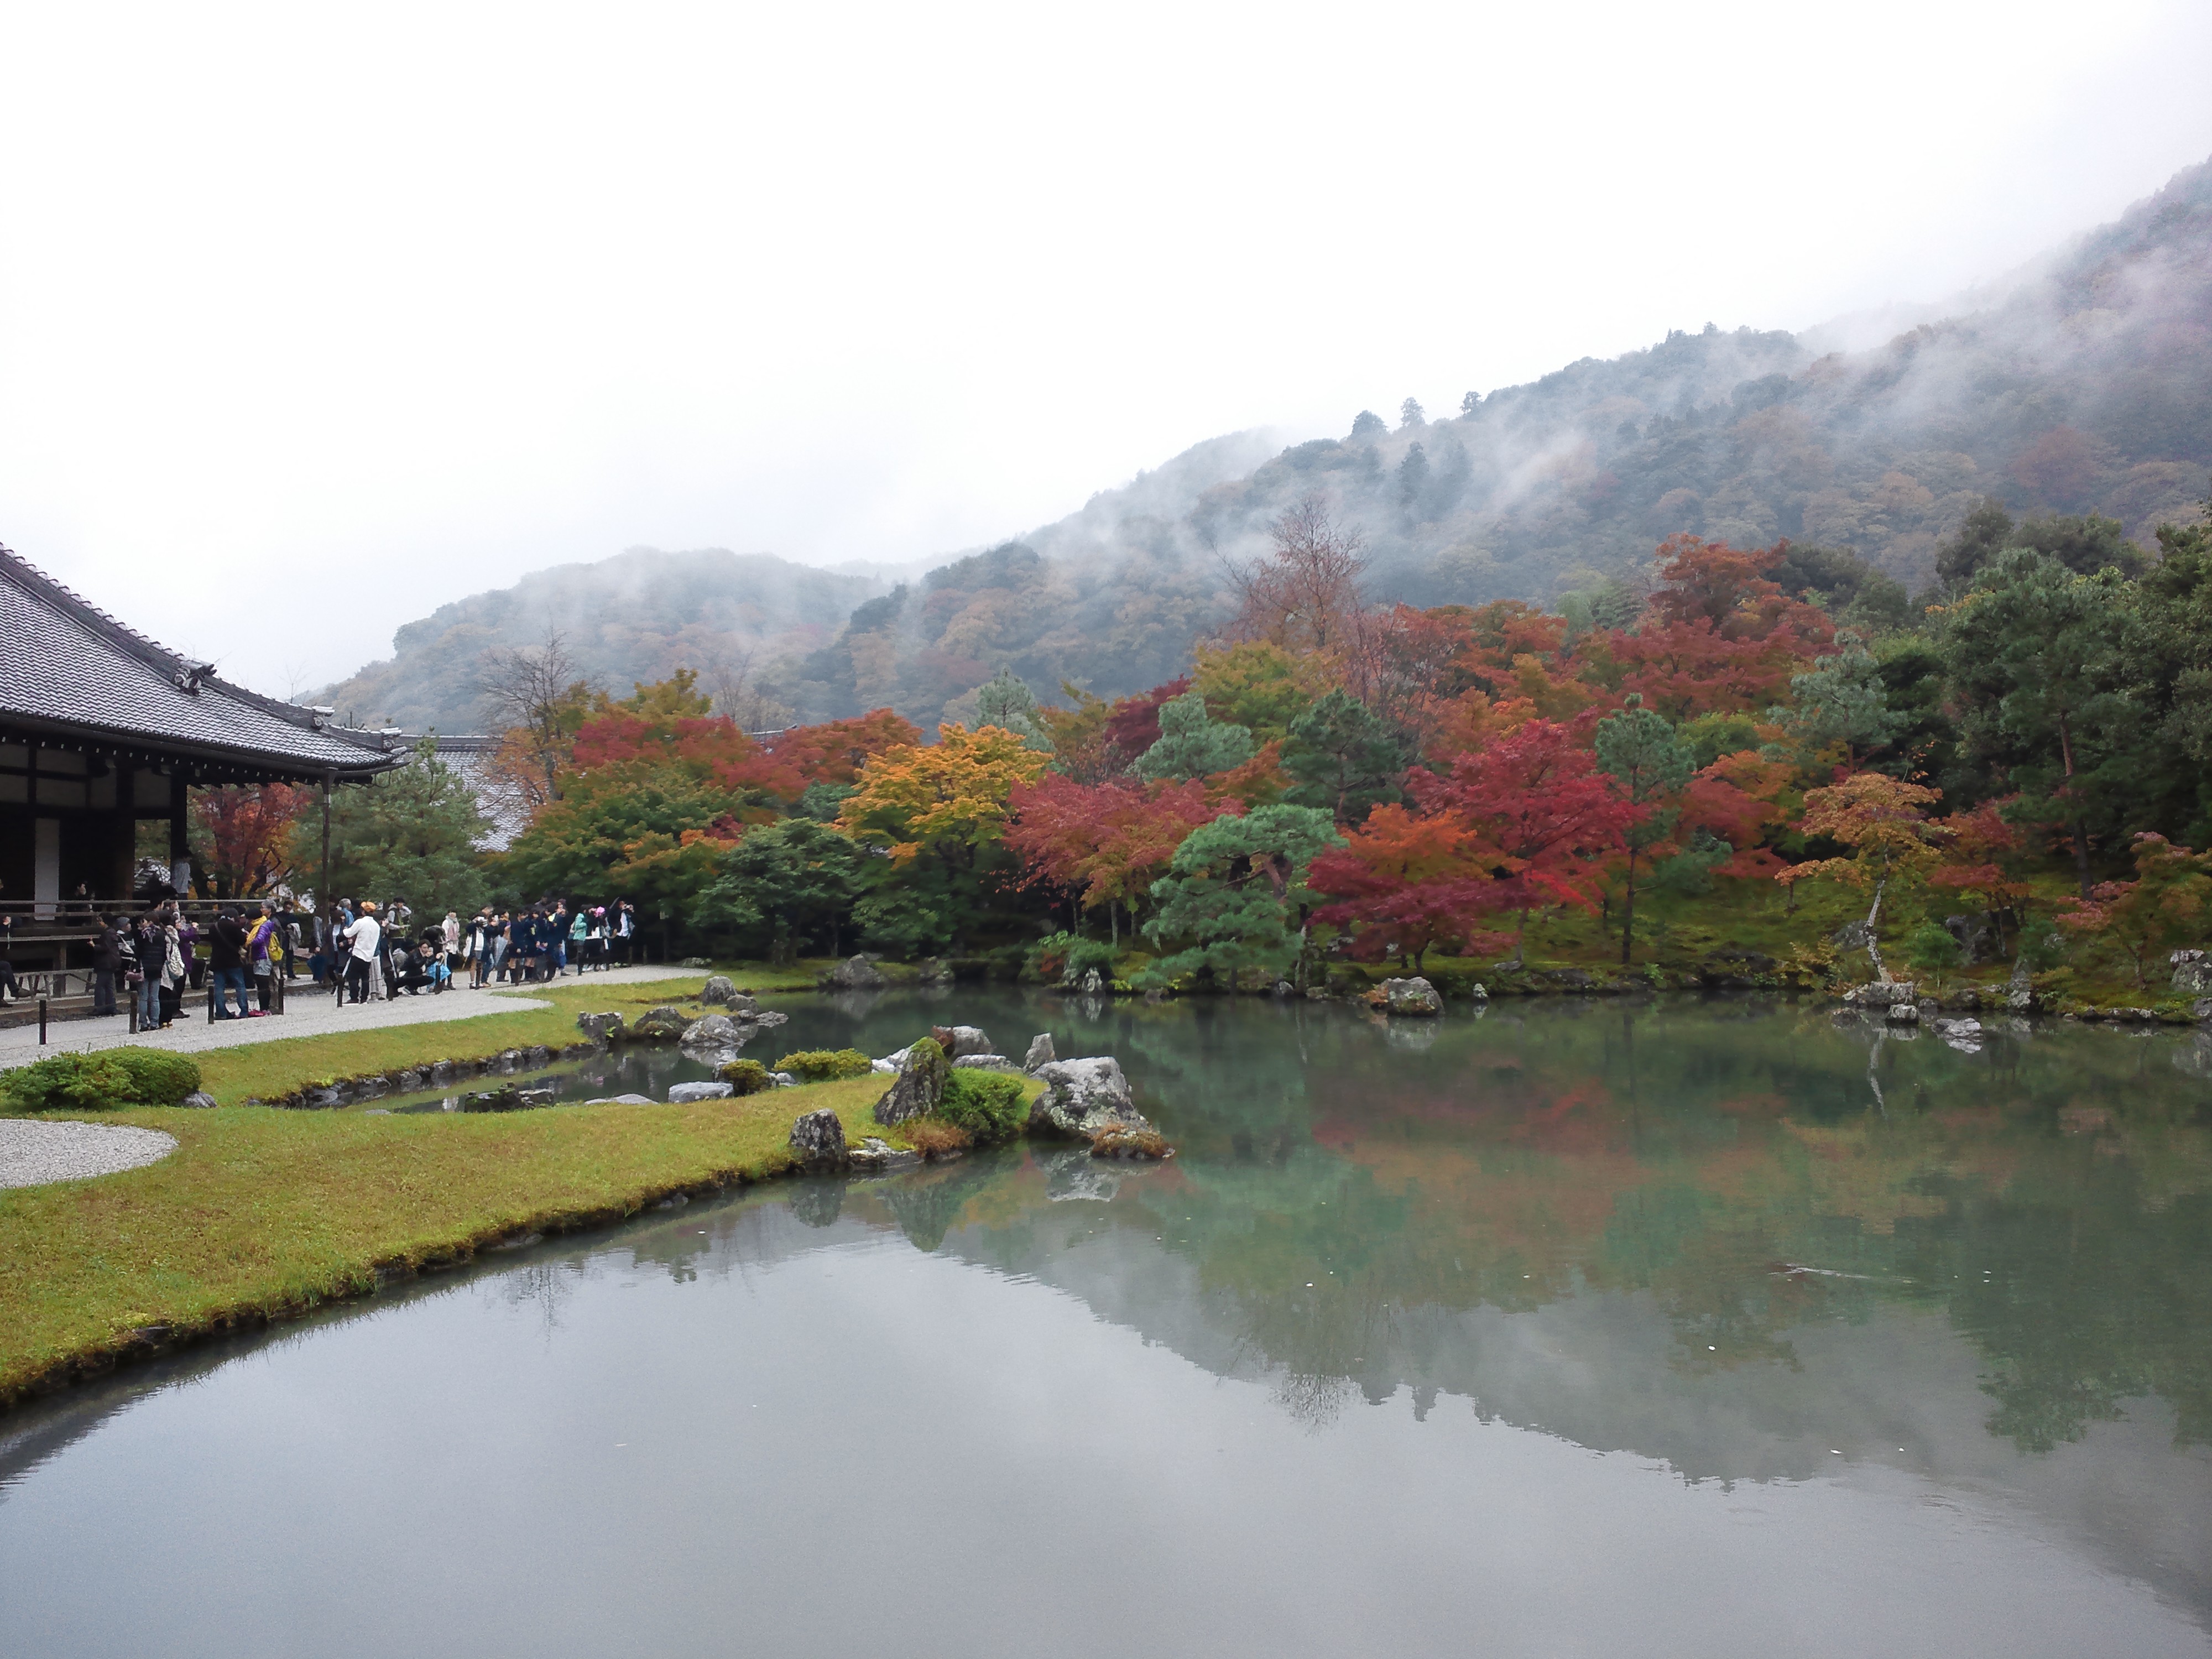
x,y
1408,883
952,798
1884,821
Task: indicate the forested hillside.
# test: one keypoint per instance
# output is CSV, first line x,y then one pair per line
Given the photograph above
x,y
640,616
2087,389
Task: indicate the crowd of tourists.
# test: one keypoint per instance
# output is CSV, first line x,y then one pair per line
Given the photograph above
x,y
365,951
358,949
153,958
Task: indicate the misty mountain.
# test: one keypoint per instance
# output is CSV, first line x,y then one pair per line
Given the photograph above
x,y
639,616
2081,385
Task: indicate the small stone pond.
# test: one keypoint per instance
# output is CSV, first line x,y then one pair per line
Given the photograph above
x,y
1697,1326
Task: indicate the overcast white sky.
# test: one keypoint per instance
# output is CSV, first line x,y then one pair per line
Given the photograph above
x,y
312,320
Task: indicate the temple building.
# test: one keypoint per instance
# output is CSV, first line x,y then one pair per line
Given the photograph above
x,y
101,729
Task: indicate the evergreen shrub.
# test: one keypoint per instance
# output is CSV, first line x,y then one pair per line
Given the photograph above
x,y
87,1082
986,1105
825,1065
747,1077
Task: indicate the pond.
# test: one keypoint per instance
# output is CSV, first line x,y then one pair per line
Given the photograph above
x,y
1691,1326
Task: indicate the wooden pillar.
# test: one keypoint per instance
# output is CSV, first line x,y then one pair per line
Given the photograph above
x,y
180,846
323,881
123,864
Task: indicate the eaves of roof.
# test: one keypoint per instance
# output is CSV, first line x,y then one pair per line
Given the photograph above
x,y
71,672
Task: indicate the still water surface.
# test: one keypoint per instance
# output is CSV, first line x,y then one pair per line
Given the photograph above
x,y
1693,1327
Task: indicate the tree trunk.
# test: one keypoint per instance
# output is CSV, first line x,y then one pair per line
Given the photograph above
x,y
1519,958
2080,827
1874,948
1628,912
1113,921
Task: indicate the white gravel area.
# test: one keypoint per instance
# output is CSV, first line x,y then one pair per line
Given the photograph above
x,y
309,1015
33,1150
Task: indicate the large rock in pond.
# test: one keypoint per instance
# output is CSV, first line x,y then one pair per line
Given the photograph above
x,y
1414,997
959,1041
856,973
1041,1052
713,1032
717,992
1882,993
661,1026
2192,973
600,1028
1085,1098
818,1138
684,1093
919,1085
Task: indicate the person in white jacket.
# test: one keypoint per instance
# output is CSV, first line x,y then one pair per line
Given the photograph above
x,y
361,940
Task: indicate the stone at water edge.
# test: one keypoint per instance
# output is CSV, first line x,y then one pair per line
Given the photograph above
x,y
712,1031
1040,1054
741,1007
1904,1013
920,1086
599,1028
623,1100
684,1093
2192,973
818,1137
198,1100
875,1157
960,1040
694,962
1086,1098
1882,993
986,1063
856,974
1415,997
663,1024
717,992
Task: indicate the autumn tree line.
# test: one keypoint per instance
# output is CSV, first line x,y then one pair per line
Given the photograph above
x,y
2024,743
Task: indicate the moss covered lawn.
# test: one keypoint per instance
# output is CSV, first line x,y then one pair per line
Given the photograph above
x,y
261,1214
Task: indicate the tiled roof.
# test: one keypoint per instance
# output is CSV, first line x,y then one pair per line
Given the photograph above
x,y
66,664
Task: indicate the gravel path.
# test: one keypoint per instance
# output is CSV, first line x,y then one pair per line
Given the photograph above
x,y
312,1015
34,1152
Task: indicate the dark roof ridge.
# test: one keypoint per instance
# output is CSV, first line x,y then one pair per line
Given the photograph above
x,y
15,568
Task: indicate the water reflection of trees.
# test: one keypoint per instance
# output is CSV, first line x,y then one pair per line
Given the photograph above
x,y
1691,1151
1727,1161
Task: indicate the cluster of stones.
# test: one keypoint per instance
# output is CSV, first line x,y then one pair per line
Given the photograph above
x,y
351,1091
1086,1099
